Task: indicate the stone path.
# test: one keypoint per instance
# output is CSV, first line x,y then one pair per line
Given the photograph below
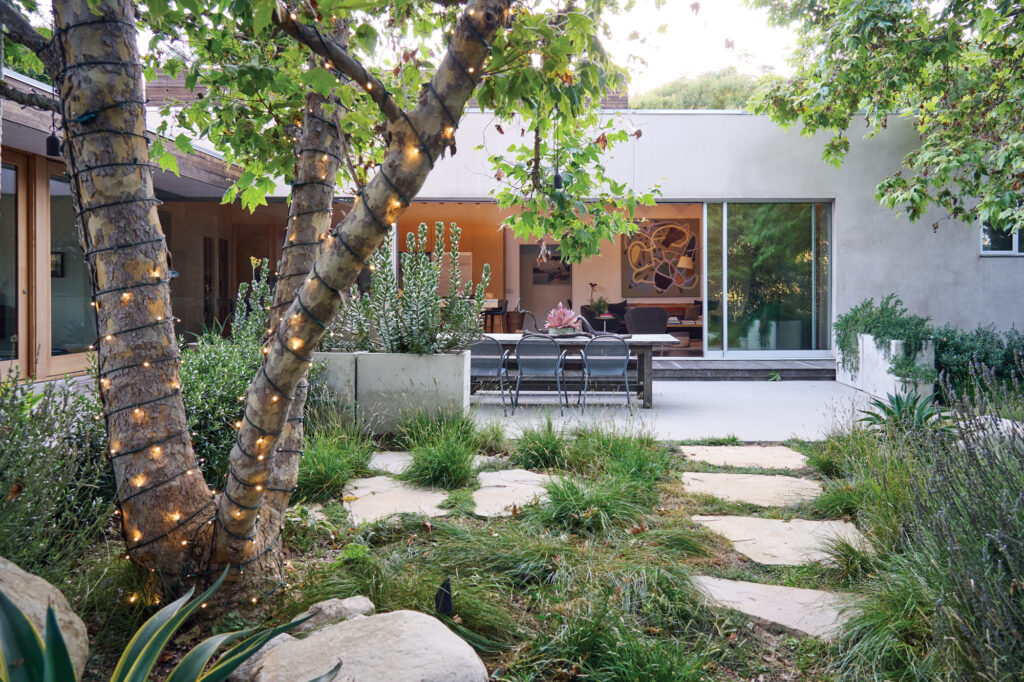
x,y
759,489
398,462
781,543
813,612
769,541
761,456
377,497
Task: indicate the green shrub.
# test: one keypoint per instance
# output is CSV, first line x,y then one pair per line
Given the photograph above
x,y
541,447
446,463
411,316
56,482
216,371
887,321
947,518
586,508
958,354
332,456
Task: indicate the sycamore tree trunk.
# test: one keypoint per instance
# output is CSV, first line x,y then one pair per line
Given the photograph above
x,y
165,505
416,140
172,521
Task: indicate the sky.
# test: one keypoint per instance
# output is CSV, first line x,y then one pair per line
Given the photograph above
x,y
696,43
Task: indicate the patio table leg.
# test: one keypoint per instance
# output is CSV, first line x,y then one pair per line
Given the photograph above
x,y
645,369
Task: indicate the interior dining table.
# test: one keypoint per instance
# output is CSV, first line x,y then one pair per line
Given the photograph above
x,y
640,345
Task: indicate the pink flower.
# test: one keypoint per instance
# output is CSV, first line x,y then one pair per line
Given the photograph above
x,y
560,317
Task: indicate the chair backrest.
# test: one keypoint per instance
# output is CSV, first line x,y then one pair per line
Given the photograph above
x,y
502,306
485,356
536,354
529,322
606,355
647,320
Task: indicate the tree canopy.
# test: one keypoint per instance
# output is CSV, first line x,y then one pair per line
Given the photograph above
x,y
956,68
724,89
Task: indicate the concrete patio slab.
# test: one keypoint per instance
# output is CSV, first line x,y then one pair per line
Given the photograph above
x,y
749,410
761,456
812,612
371,499
499,490
782,543
766,491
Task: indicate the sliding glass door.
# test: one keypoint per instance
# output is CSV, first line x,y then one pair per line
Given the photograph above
x,y
769,279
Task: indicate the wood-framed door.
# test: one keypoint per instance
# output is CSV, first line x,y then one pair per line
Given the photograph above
x,y
66,317
16,337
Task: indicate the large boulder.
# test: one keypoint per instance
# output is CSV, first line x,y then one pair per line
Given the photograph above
x,y
401,646
32,594
243,673
332,611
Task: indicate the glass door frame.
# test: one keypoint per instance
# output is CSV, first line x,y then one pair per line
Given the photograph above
x,y
735,354
22,365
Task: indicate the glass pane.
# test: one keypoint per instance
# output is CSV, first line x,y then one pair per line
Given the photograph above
x,y
714,291
822,277
9,263
770,276
72,319
996,240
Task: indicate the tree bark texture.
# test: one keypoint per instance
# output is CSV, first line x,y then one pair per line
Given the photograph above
x,y
318,151
415,141
166,507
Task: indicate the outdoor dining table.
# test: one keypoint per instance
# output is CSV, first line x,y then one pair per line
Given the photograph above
x,y
641,345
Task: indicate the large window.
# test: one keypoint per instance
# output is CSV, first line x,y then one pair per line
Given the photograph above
x,y
995,242
9,263
72,318
769,277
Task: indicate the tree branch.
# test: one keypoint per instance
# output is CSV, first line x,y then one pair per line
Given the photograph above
x,y
29,99
340,59
18,29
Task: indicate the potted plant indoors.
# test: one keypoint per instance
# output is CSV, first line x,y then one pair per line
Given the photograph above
x,y
562,322
396,350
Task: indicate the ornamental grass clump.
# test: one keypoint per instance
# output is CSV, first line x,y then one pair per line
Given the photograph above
x,y
409,314
541,447
446,463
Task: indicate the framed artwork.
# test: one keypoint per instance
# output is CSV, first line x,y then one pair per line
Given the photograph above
x,y
56,264
662,259
552,270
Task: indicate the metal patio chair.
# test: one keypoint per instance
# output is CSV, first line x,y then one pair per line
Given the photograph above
x,y
605,356
488,360
540,356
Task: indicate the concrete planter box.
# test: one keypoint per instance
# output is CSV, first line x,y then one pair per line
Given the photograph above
x,y
873,375
387,388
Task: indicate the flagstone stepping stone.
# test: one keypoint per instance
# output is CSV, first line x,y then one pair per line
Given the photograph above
x,y
782,543
398,462
391,462
763,456
766,491
812,612
371,499
500,490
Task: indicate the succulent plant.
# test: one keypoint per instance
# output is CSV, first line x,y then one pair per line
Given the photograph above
x,y
561,317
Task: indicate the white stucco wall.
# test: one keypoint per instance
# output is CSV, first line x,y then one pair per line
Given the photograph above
x,y
701,156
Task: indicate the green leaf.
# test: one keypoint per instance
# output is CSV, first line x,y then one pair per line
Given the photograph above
x,y
21,649
238,654
168,162
190,668
58,666
150,640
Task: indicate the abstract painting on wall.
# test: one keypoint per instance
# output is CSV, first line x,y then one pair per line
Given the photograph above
x,y
661,259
